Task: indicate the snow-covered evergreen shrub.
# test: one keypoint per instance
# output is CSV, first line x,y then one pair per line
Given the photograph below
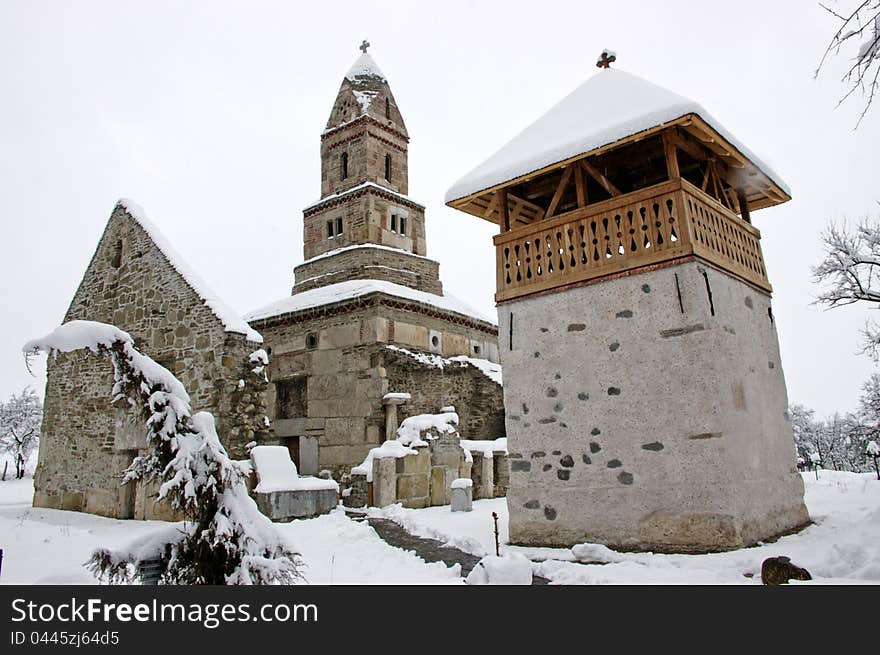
x,y
224,538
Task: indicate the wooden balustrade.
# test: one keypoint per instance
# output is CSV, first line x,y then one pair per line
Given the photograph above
x,y
653,225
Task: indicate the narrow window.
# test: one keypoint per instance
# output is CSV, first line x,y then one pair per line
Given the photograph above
x,y
394,222
329,229
403,224
339,226
344,164
388,167
387,108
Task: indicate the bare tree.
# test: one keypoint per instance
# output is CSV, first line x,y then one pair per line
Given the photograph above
x,y
859,28
20,420
851,272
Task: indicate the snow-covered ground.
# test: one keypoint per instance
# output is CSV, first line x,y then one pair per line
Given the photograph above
x,y
44,546
842,547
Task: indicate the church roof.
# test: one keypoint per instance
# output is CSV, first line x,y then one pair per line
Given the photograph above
x,y
365,66
230,319
350,289
610,106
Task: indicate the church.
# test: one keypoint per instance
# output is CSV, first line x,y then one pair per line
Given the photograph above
x,y
366,338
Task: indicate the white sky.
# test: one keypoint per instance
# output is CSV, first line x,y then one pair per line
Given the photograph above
x,y
208,114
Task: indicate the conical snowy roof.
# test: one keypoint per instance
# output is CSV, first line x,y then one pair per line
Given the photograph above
x,y
610,106
365,66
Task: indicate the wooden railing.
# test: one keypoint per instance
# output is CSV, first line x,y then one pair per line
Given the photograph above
x,y
663,222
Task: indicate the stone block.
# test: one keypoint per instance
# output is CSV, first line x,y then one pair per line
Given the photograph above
x,y
308,455
462,499
439,494
384,482
412,486
304,503
418,463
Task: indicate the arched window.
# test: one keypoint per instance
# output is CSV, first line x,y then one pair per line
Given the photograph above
x,y
388,167
344,164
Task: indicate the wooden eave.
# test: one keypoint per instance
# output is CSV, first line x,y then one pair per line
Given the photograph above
x,y
761,190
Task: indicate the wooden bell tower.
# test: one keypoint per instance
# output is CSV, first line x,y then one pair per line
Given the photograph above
x,y
646,405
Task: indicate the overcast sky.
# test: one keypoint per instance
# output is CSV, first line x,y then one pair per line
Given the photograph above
x,y
208,114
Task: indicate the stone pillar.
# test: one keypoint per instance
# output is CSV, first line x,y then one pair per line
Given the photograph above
x,y
384,481
483,477
391,401
501,471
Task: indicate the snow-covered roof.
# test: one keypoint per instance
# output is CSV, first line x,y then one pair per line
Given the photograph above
x,y
365,66
230,319
341,291
608,107
359,187
358,246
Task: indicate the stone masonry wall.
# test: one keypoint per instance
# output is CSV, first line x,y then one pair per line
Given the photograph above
x,y
342,360
87,443
648,412
478,400
370,263
366,218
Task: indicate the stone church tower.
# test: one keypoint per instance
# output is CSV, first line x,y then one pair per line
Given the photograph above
x,y
367,315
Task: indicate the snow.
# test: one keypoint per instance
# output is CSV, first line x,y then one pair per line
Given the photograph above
x,y
610,106
508,569
231,320
365,66
397,396
872,449
489,369
487,446
413,427
461,483
342,291
363,185
43,546
843,546
390,448
47,546
277,472
331,253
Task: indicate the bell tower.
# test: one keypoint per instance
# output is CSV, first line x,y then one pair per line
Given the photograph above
x,y
364,218
645,402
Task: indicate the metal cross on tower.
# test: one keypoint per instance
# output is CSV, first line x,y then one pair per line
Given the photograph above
x,y
364,45
605,59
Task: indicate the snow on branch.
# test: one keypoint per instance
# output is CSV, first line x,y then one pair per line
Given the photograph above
x,y
851,271
860,27
224,539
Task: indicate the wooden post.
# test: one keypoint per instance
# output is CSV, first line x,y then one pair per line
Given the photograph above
x,y
743,205
503,210
497,546
672,169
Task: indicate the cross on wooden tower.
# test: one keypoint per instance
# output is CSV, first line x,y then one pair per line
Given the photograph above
x,y
364,45
605,59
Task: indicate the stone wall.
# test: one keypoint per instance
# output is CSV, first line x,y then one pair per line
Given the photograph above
x,y
365,262
648,412
87,443
478,400
347,369
366,218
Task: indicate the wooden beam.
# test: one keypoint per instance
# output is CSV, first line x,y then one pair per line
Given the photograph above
x,y
743,203
597,175
580,183
503,210
672,169
490,208
560,190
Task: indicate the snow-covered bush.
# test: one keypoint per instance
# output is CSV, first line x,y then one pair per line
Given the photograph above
x,y
224,538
